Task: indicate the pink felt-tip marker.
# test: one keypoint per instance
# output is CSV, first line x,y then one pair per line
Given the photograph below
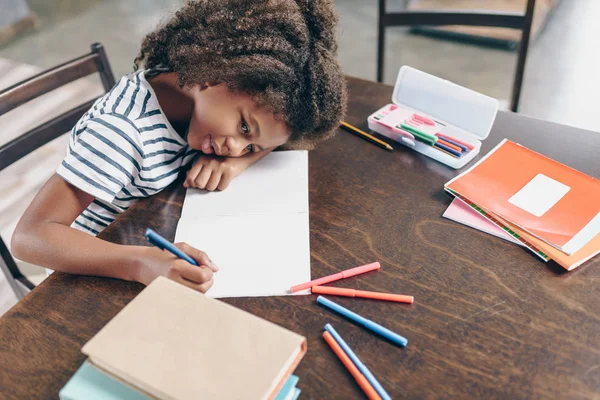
x,y
423,119
340,275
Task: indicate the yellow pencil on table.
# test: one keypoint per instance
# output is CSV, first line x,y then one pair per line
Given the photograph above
x,y
367,136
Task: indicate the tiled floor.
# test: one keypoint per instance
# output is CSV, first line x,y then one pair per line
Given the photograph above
x,y
561,79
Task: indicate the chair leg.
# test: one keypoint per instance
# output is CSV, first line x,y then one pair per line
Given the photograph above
x,y
522,56
14,285
18,282
380,40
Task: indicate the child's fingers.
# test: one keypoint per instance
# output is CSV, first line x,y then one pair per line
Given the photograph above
x,y
224,182
202,179
193,285
205,286
184,282
214,180
198,255
192,174
198,275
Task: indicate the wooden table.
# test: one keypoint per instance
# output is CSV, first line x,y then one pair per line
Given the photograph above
x,y
489,321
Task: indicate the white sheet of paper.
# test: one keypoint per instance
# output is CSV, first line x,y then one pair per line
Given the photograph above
x,y
257,255
277,184
257,230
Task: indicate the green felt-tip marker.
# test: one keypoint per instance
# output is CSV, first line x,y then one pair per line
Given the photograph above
x,y
421,135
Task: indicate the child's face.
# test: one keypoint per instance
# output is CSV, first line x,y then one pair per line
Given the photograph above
x,y
231,124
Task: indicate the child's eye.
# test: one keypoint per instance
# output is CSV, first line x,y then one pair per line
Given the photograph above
x,y
245,127
246,131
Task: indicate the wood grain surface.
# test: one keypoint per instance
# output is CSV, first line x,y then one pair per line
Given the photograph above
x,y
489,320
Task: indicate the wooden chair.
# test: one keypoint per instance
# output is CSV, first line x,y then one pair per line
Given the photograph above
x,y
14,150
471,18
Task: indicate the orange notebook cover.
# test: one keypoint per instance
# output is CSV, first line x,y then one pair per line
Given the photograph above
x,y
494,219
174,343
550,201
540,248
587,252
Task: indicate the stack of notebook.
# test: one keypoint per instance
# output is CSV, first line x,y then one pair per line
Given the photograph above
x,y
551,209
172,342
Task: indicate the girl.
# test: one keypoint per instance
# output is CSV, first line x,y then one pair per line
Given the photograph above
x,y
221,85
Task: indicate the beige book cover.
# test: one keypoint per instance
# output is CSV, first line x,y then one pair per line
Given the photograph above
x,y
172,342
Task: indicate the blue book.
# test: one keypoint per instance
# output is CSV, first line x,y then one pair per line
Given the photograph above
x,y
287,391
89,383
296,394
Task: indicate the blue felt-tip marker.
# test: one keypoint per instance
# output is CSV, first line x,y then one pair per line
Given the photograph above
x,y
373,326
362,367
156,240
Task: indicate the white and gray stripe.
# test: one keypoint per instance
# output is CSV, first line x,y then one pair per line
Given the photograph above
x,y
121,150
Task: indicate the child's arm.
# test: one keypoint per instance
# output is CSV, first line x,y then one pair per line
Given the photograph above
x,y
44,237
212,173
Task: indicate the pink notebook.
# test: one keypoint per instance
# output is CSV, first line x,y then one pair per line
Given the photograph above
x,y
460,212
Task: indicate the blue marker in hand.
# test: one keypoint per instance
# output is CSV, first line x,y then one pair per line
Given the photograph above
x,y
156,240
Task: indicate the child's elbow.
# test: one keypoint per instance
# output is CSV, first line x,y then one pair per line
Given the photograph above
x,y
18,243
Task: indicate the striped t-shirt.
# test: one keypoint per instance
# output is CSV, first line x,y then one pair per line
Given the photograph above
x,y
122,149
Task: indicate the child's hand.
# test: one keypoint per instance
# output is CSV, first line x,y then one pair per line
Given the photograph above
x,y
156,262
211,173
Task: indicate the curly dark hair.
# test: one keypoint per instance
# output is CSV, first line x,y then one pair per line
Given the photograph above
x,y
280,52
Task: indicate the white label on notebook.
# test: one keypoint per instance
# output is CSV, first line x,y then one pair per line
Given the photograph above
x,y
539,195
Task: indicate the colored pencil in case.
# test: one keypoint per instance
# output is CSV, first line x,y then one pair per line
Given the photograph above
x,y
450,145
445,152
455,140
360,378
335,291
420,138
424,138
463,148
340,275
448,149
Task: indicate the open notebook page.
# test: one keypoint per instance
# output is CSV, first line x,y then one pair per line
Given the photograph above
x,y
257,230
